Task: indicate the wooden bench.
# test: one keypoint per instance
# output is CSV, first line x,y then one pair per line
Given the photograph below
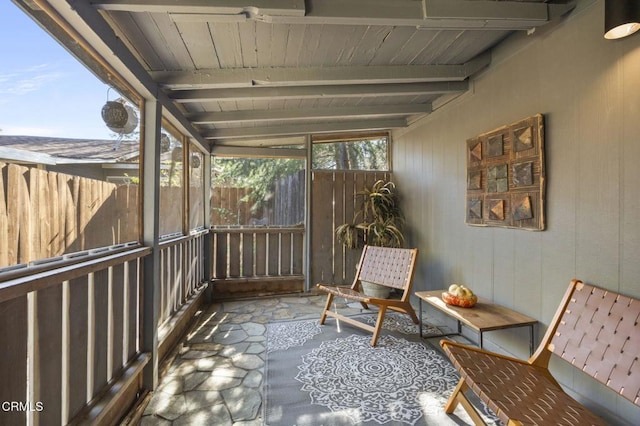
x,y
484,316
595,330
390,267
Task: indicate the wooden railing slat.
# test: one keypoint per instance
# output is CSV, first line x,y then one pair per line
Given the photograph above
x,y
117,301
49,354
234,255
78,335
260,252
13,356
100,378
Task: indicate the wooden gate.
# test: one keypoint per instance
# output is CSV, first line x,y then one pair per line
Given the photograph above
x,y
333,202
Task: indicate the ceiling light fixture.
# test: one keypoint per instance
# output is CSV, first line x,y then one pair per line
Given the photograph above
x,y
621,18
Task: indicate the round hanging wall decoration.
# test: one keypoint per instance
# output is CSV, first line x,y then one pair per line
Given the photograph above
x,y
114,114
119,118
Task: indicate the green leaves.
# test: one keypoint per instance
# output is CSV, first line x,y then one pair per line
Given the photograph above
x,y
381,219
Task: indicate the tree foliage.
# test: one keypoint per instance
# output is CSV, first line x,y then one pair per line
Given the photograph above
x,y
259,174
367,154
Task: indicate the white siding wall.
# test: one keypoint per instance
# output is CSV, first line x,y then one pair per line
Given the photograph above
x,y
588,88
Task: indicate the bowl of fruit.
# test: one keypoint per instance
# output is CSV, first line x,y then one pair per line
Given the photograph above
x,y
459,295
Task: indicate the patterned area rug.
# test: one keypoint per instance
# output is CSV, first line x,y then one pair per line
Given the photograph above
x,y
330,375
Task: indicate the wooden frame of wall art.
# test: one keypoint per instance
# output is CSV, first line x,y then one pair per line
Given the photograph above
x,y
506,176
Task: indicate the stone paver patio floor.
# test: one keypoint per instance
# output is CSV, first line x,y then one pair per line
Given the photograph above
x,y
217,373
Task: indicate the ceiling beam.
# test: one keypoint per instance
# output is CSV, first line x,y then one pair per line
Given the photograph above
x,y
433,14
306,128
315,92
213,7
243,116
309,76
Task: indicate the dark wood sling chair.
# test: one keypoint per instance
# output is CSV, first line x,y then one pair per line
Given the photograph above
x,y
391,267
594,330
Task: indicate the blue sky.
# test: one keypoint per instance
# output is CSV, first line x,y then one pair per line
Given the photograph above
x,y
44,90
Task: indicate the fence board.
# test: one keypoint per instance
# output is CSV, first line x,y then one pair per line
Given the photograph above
x,y
340,216
13,357
232,197
13,212
243,208
4,220
84,202
40,212
351,205
53,243
31,214
322,227
49,355
214,205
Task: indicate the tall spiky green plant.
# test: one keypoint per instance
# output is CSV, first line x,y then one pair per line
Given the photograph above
x,y
379,221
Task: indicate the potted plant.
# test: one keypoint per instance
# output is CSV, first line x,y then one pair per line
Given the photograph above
x,y
377,222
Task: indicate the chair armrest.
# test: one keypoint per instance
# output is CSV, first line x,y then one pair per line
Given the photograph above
x,y
445,342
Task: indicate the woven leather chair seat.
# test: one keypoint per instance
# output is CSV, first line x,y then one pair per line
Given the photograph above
x,y
389,267
595,330
514,389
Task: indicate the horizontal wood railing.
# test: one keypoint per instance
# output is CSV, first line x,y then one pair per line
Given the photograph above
x,y
250,252
71,334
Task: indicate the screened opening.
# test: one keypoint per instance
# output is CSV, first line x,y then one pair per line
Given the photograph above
x,y
351,152
257,191
171,183
196,188
68,173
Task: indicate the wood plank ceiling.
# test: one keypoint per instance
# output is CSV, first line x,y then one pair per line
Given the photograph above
x,y
235,71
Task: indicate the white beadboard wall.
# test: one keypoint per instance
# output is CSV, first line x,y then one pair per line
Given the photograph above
x,y
588,88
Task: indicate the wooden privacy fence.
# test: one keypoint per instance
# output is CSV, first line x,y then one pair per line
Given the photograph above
x,y
288,203
232,205
229,205
47,214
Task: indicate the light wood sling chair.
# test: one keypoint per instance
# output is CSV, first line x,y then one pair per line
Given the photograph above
x,y
390,267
